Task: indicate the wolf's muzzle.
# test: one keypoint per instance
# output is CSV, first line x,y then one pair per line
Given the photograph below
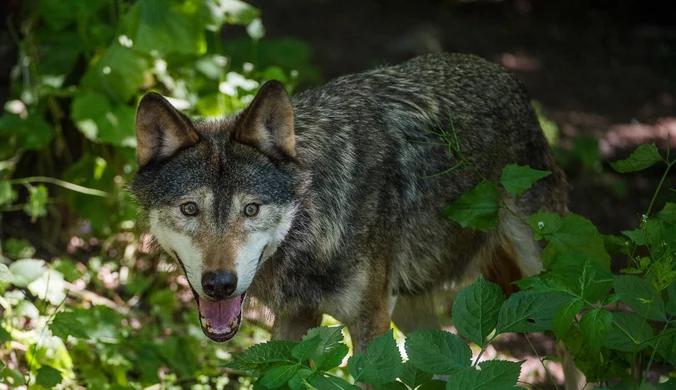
x,y
220,284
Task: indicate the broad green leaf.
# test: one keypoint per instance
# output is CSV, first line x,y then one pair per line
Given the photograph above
x,y
297,381
570,233
48,377
434,384
529,311
394,385
477,208
66,324
668,385
56,16
11,377
277,376
413,376
332,358
637,236
329,350
18,248
100,121
627,331
49,287
517,179
475,310
25,271
306,348
437,352
271,352
380,364
671,296
594,326
237,12
581,275
7,194
565,315
331,382
118,73
640,295
37,202
170,27
4,335
643,157
6,275
32,132
494,375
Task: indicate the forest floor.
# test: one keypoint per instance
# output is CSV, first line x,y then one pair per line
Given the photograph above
x,y
600,74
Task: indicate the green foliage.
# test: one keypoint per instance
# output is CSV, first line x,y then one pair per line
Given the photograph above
x,y
108,317
572,298
81,72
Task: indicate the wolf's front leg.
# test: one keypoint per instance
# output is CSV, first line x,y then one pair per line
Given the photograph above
x,y
294,326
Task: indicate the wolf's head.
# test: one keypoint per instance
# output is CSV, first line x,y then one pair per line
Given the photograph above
x,y
218,195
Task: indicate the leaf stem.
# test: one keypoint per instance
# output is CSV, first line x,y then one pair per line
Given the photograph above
x,y
61,183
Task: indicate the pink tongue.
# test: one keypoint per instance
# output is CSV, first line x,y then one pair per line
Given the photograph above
x,y
219,315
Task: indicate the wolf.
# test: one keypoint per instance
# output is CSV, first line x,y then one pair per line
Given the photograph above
x,y
331,201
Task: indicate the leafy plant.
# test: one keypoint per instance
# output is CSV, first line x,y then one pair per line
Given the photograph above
x,y
102,314
617,327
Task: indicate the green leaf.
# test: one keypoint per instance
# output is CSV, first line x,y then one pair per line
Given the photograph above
x,y
118,73
37,202
570,233
170,27
517,179
237,12
261,355
643,157
332,358
56,16
32,132
477,208
565,315
277,376
641,296
529,311
4,336
628,331
66,324
18,248
25,271
48,377
6,275
433,385
671,296
380,364
7,194
306,348
594,326
475,310
637,236
412,376
331,382
494,375
437,352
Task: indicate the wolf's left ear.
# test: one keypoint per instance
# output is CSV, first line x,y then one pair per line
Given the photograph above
x,y
267,124
161,130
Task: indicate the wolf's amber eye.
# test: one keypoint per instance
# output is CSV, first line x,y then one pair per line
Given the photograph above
x,y
189,209
251,210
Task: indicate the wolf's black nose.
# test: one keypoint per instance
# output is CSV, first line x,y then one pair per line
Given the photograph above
x,y
219,284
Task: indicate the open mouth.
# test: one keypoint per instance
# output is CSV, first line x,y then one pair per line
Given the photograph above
x,y
220,320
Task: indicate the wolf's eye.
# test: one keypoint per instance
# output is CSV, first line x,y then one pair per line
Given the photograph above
x,y
251,210
189,209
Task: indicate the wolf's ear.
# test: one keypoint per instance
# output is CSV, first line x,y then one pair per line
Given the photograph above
x,y
161,130
267,124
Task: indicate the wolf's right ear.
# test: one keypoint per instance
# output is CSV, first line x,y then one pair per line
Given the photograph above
x,y
161,130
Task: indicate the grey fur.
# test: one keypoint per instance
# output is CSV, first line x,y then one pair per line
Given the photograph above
x,y
366,182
